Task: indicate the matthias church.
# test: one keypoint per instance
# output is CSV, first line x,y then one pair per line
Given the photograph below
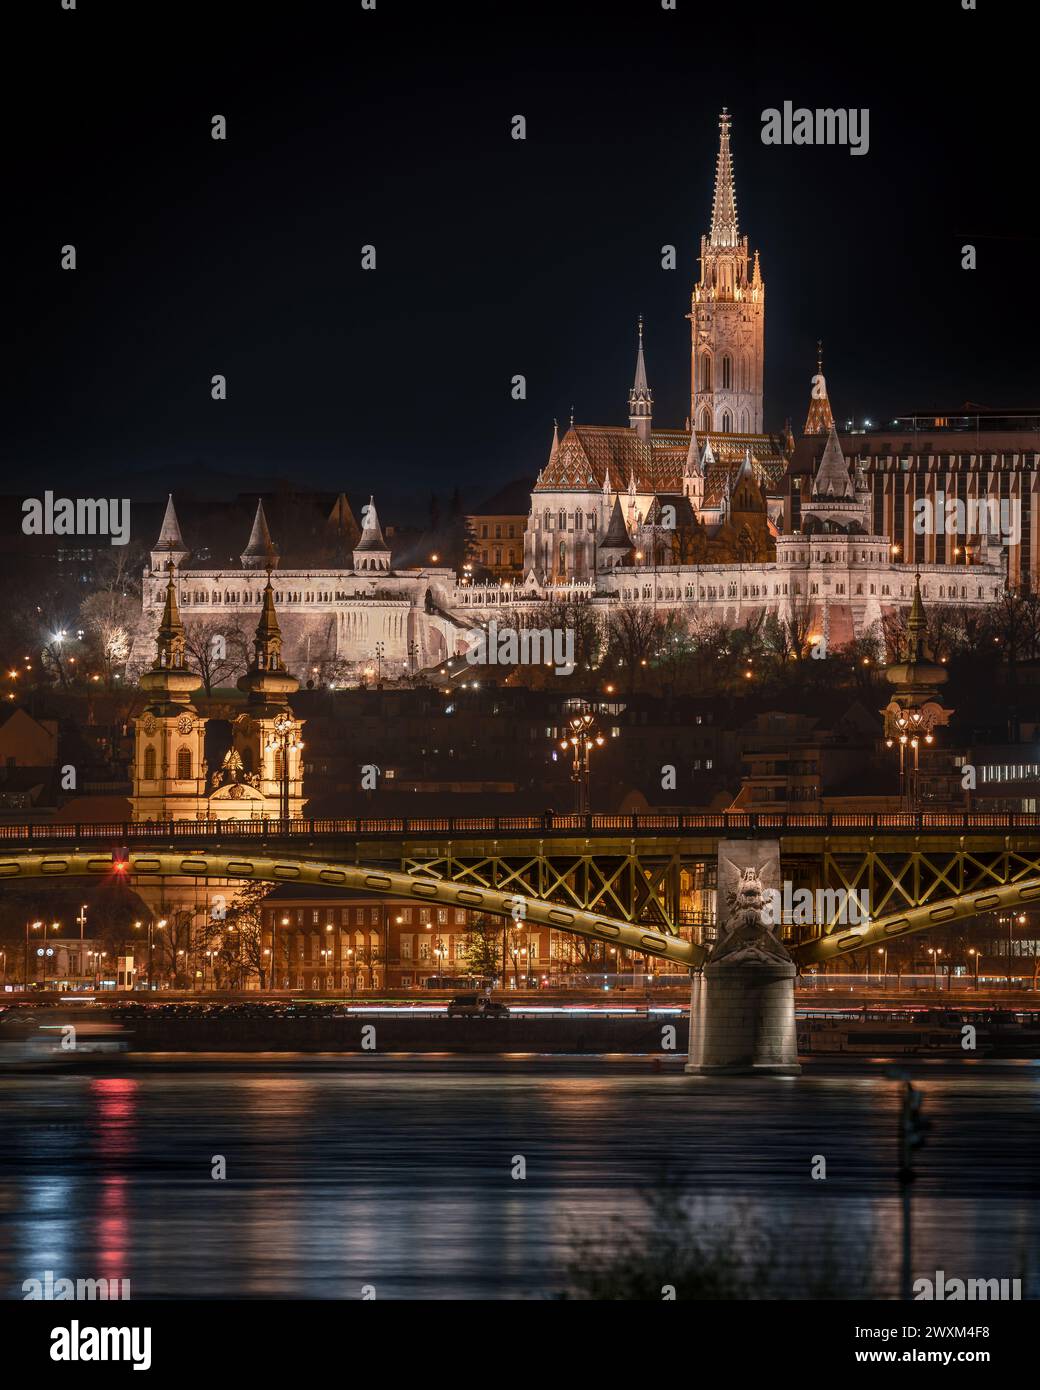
x,y
718,519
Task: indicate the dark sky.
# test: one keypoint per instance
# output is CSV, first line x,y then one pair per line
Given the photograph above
x,y
495,257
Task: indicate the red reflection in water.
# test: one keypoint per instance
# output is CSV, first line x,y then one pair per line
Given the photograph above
x,y
113,1228
115,1111
115,1117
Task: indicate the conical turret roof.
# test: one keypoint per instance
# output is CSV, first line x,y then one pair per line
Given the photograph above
x,y
371,532
261,549
832,477
170,537
617,537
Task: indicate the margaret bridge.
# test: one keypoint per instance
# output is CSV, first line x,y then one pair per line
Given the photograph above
x,y
614,878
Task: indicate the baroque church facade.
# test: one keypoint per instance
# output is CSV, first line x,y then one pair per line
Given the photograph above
x,y
260,774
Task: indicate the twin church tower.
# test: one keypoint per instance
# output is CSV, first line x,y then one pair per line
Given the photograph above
x,y
258,774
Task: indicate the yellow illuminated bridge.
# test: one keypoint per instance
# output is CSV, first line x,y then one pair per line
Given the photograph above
x,y
628,880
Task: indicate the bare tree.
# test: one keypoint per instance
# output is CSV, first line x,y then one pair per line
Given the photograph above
x,y
634,632
218,649
108,620
242,947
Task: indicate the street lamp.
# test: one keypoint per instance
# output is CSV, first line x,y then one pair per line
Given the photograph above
x,y
36,927
975,954
274,945
285,738
883,951
935,954
583,737
161,924
913,730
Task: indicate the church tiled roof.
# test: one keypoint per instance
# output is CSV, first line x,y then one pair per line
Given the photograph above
x,y
586,452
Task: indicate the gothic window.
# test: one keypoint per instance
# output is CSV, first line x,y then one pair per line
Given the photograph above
x,y
705,425
184,764
563,557
563,521
548,520
727,372
149,764
745,423
705,372
727,422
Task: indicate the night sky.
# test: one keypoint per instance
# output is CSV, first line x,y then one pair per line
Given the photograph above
x,y
495,257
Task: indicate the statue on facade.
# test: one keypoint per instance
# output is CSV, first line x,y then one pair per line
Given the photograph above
x,y
747,935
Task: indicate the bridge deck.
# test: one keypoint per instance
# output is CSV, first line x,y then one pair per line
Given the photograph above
x,y
736,824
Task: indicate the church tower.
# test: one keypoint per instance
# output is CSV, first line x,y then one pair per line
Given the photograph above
x,y
820,419
640,398
169,737
267,754
727,317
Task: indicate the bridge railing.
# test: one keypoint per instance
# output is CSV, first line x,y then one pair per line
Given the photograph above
x,y
548,823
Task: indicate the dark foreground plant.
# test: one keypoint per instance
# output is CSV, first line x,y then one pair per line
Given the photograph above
x,y
678,1253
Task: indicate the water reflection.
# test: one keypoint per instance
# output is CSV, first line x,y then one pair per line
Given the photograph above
x,y
400,1173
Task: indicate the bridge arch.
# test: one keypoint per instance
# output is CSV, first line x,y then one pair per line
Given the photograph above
x,y
356,877
842,941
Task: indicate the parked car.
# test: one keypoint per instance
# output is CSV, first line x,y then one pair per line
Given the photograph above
x,y
475,1006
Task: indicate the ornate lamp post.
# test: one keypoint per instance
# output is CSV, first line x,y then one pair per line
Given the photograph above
x,y
285,738
584,736
912,728
915,710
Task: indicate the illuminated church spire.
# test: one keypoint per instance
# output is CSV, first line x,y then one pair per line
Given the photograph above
x,y
640,398
820,419
727,317
724,204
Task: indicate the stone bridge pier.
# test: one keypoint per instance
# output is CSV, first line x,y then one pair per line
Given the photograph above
x,y
742,1000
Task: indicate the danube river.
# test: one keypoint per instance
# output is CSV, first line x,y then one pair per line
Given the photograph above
x,y
465,1178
